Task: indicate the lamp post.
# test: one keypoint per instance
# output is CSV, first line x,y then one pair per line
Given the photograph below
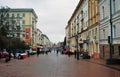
x,y
76,37
9,51
111,36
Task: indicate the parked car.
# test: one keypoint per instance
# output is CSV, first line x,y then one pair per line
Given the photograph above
x,y
21,54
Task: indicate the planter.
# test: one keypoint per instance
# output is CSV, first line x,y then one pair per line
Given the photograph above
x,y
86,56
113,61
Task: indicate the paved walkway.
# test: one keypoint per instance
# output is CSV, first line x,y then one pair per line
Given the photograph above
x,y
52,65
103,63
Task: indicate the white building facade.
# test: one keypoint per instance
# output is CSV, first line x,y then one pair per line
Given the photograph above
x,y
105,28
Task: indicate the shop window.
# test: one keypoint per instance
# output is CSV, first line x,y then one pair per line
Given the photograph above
x,y
119,50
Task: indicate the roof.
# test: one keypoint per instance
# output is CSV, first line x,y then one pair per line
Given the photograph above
x,y
23,10
44,36
76,9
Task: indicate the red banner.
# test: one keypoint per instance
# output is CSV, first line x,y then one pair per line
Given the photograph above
x,y
27,35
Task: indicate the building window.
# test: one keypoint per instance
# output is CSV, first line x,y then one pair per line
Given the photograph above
x,y
96,32
13,16
18,15
103,33
23,14
18,34
10,28
23,35
114,31
103,12
113,7
119,4
23,22
7,15
86,13
78,29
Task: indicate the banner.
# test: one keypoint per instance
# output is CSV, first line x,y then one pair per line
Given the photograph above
x,y
27,35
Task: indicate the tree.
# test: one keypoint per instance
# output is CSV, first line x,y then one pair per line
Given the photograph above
x,y
4,42
3,31
3,20
3,13
18,44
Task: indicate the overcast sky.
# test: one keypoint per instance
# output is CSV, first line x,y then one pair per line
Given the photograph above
x,y
53,15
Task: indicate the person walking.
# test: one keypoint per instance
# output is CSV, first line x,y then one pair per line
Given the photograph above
x,y
57,51
75,52
38,51
68,50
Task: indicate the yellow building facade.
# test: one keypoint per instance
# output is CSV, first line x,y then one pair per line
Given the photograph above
x,y
93,28
24,26
83,28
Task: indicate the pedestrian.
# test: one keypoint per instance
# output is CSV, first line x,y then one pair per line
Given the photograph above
x,y
7,57
14,53
75,52
9,51
49,50
57,50
38,51
68,50
28,53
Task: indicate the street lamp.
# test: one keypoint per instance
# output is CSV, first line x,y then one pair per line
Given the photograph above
x,y
9,51
76,37
111,36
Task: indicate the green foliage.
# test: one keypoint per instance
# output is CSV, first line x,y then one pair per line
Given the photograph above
x,y
18,44
3,31
4,42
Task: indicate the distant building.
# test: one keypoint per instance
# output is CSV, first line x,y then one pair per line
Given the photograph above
x,y
21,23
46,42
38,37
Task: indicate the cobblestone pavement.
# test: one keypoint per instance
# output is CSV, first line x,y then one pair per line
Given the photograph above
x,y
52,65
